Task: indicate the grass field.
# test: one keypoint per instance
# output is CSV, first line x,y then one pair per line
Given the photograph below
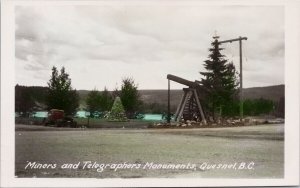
x,y
103,123
263,145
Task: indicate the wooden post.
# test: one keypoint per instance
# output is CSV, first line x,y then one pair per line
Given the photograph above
x,y
241,81
199,107
169,113
180,105
186,96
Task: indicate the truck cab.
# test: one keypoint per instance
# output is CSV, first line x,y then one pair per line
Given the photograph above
x,y
57,118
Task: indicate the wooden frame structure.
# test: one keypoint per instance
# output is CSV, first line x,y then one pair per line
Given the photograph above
x,y
191,94
190,100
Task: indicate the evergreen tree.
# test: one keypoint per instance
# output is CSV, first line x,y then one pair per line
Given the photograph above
x,y
115,93
117,112
93,101
219,81
261,106
130,96
61,94
24,102
280,107
106,100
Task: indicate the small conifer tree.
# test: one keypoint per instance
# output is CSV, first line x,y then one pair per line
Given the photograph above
x,y
117,112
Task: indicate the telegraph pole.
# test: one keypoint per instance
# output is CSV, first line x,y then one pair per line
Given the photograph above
x,y
241,71
241,83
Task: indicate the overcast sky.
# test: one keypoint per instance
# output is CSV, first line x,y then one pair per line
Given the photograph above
x,y
100,45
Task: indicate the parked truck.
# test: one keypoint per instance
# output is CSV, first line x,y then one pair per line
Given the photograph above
x,y
58,118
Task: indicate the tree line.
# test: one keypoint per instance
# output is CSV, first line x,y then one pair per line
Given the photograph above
x,y
60,95
129,95
32,98
28,99
219,84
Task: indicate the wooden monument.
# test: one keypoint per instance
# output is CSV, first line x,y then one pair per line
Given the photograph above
x,y
189,107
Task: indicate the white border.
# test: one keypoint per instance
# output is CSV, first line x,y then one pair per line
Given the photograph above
x,y
292,39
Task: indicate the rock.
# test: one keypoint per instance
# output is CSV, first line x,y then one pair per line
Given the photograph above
x,y
183,125
173,124
236,121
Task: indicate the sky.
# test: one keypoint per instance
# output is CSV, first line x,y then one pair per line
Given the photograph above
x,y
101,45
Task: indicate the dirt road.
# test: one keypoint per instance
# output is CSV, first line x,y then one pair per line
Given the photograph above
x,y
216,153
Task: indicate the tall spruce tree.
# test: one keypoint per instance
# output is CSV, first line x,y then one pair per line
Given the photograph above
x,y
219,82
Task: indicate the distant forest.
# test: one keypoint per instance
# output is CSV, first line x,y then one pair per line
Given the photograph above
x,y
32,98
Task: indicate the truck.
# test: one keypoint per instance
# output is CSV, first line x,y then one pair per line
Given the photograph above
x,y
58,118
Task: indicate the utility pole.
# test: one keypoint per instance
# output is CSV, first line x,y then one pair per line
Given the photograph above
x,y
241,71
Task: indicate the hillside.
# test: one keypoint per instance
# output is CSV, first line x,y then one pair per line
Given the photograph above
x,y
29,98
270,92
38,94
160,96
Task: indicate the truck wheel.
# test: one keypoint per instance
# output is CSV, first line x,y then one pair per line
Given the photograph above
x,y
74,125
58,123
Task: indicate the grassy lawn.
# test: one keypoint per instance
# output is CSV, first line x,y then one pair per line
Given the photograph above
x,y
93,122
104,123
263,145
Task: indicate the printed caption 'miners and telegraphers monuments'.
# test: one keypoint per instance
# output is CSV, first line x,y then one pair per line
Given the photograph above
x,y
100,167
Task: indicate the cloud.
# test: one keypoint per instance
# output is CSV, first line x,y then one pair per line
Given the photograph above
x,y
99,45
